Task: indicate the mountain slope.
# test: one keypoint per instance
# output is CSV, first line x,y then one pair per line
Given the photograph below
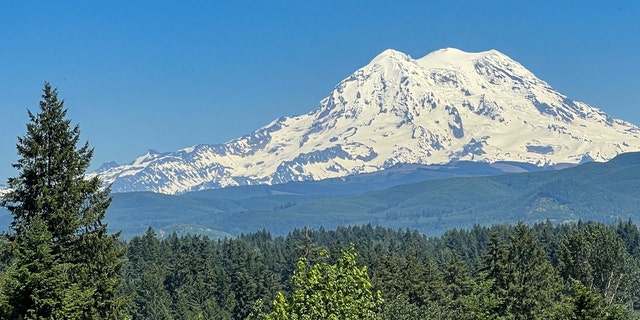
x,y
593,191
447,106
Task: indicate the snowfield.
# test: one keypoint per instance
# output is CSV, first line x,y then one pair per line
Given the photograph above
x,y
447,106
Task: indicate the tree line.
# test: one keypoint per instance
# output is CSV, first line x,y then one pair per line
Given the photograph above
x,y
571,271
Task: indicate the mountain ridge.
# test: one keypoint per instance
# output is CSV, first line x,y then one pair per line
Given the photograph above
x,y
447,106
603,192
430,199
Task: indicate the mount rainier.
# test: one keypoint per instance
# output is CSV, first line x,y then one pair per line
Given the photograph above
x,y
447,106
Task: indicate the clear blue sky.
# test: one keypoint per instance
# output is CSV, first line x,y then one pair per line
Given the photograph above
x,y
165,75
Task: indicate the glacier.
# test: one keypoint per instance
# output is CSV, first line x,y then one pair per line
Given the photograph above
x,y
447,106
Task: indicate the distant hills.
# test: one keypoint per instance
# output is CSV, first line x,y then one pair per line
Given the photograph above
x,y
445,107
430,200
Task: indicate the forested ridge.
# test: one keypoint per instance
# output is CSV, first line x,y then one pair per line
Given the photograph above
x,y
571,271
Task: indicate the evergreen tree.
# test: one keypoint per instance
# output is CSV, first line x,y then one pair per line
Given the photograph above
x,y
145,276
459,286
523,278
585,303
534,283
596,256
64,263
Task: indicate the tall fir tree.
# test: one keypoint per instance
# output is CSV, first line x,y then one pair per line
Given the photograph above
x,y
523,280
596,255
64,264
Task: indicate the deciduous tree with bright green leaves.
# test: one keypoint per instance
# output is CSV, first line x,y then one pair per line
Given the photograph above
x,y
329,291
63,262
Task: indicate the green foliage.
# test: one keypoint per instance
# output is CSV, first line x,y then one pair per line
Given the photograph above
x,y
329,291
62,262
585,303
501,272
596,256
145,276
523,278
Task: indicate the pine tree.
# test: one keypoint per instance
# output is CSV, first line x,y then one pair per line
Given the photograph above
x,y
146,273
585,303
595,255
64,263
523,279
534,283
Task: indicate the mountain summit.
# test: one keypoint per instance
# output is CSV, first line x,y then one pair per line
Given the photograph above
x,y
449,105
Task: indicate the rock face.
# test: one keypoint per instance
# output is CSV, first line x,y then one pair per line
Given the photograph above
x,y
447,106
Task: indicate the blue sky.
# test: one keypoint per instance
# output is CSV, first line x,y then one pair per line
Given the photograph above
x,y
165,75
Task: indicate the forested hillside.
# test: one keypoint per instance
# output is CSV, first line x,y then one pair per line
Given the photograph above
x,y
571,271
605,192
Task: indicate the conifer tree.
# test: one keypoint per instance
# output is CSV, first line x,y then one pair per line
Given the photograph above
x,y
595,255
522,277
64,264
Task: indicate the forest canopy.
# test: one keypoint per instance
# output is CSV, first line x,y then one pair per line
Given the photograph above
x,y
496,272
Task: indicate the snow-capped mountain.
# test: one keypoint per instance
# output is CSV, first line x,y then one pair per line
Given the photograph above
x,y
446,106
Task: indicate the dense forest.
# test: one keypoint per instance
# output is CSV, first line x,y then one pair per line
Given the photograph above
x,y
573,271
